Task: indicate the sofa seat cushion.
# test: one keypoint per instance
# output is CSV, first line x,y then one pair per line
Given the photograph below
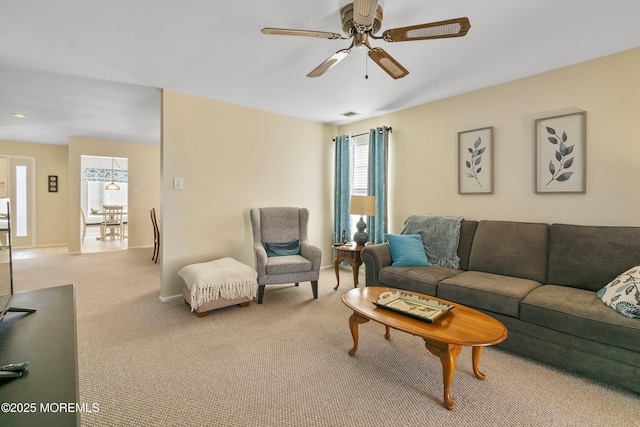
x,y
423,280
487,291
580,313
287,264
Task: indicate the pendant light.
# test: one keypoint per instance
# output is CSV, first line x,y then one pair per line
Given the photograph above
x,y
112,185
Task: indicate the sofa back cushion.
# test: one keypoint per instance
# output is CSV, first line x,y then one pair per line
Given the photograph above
x,y
589,257
517,249
467,230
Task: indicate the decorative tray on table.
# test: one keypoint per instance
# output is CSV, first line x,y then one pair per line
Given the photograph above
x,y
419,308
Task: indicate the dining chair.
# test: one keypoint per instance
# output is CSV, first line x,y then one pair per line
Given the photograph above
x,y
84,224
87,223
156,236
112,222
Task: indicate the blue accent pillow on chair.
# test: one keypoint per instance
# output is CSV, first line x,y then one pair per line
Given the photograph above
x,y
283,249
407,250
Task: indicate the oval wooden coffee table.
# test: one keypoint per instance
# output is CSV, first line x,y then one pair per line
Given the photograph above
x,y
444,337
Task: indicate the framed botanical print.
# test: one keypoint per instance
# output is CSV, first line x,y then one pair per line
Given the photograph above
x,y
475,161
561,153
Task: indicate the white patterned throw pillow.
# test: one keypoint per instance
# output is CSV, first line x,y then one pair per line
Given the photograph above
x,y
623,293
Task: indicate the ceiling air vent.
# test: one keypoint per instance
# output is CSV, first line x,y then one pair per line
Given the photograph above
x,y
350,114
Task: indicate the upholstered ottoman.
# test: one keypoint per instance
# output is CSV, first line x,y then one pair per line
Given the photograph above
x,y
216,284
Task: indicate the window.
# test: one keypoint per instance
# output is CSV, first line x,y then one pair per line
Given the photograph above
x,y
97,172
360,172
97,196
21,201
360,166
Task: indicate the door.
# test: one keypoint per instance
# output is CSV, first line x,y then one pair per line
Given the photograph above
x,y
21,190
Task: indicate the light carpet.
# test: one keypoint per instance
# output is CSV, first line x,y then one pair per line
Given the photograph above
x,y
285,362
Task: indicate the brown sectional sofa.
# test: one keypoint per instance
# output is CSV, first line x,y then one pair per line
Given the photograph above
x,y
540,280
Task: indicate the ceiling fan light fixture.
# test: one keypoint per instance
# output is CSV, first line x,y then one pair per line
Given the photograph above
x,y
361,20
360,40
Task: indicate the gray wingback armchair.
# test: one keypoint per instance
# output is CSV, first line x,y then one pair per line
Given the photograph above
x,y
280,226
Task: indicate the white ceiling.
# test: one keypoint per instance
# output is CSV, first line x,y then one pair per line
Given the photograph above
x,y
94,67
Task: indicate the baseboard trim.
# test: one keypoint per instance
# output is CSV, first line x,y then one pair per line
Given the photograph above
x,y
170,298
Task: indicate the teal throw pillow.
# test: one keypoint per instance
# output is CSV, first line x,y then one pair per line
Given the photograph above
x,y
407,250
283,249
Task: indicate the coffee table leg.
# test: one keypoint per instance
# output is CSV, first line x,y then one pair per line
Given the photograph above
x,y
354,320
448,353
335,267
475,357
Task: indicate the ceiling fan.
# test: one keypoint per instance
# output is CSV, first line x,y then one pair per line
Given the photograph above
x,y
361,20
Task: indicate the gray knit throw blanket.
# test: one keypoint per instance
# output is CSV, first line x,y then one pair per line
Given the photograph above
x,y
440,237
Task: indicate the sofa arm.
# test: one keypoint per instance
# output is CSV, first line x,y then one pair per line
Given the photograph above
x,y
375,257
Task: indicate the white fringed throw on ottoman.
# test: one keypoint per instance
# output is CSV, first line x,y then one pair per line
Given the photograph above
x,y
219,283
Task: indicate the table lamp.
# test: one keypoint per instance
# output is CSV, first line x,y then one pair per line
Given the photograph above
x,y
362,205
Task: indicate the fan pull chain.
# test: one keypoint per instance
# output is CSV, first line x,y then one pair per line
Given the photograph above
x,y
366,65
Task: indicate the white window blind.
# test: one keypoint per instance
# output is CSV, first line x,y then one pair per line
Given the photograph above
x,y
360,166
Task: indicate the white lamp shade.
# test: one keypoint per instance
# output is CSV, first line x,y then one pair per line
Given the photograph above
x,y
363,205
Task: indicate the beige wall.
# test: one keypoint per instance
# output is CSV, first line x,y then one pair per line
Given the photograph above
x,y
232,158
144,174
423,147
51,208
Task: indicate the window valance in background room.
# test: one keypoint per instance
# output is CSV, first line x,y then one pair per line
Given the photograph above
x,y
106,175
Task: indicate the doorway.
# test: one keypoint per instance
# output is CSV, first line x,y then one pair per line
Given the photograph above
x,y
104,182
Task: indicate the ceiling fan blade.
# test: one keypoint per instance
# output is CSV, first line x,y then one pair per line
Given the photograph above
x,y
301,33
387,63
364,12
329,62
434,30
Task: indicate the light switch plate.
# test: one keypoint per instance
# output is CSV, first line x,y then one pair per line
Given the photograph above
x,y
177,184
